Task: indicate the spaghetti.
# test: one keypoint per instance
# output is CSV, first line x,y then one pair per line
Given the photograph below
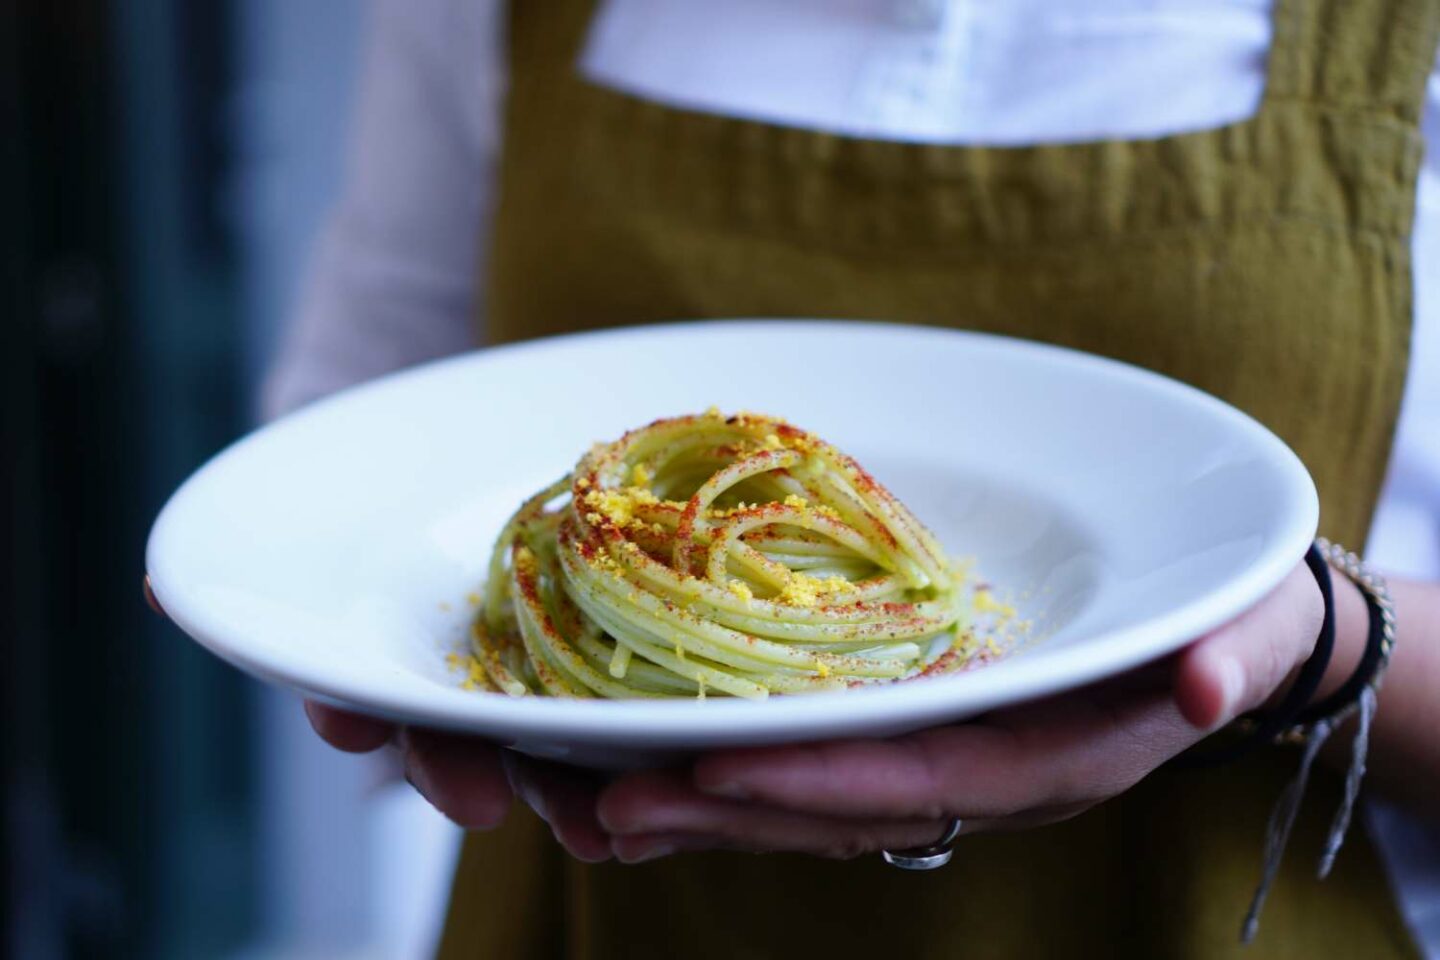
x,y
715,555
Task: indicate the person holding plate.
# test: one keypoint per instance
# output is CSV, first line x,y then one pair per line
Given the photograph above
x,y
1222,192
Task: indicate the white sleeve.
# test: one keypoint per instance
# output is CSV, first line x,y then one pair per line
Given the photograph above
x,y
1405,536
394,277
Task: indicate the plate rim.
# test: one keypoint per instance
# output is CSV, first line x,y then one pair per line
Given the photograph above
x,y
684,722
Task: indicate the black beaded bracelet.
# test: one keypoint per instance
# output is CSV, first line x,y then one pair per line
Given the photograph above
x,y
1379,643
1269,724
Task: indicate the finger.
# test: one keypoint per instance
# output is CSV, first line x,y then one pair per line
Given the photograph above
x,y
1073,749
461,777
563,799
1239,666
351,732
640,847
667,804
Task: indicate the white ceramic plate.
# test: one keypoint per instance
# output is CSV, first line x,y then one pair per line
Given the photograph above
x,y
1124,513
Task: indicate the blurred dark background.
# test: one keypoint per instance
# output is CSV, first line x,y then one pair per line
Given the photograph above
x,y
122,284
164,167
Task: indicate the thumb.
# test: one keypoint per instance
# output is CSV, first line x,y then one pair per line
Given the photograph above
x,y
1241,665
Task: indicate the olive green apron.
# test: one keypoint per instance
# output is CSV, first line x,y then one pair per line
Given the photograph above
x,y
1266,262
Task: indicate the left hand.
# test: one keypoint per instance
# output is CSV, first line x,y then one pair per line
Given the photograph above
x,y
1029,765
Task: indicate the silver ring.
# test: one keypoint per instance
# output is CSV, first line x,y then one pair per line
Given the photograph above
x,y
926,858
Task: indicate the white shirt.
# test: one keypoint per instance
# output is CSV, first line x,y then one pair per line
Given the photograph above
x,y
395,276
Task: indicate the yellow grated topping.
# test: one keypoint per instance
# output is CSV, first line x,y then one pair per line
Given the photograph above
x,y
985,602
803,590
615,505
800,591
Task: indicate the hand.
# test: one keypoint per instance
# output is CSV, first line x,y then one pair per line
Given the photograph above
x,y
462,777
1022,767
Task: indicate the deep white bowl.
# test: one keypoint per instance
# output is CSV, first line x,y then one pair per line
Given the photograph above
x,y
1124,513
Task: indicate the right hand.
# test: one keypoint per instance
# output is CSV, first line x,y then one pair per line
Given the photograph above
x,y
462,777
